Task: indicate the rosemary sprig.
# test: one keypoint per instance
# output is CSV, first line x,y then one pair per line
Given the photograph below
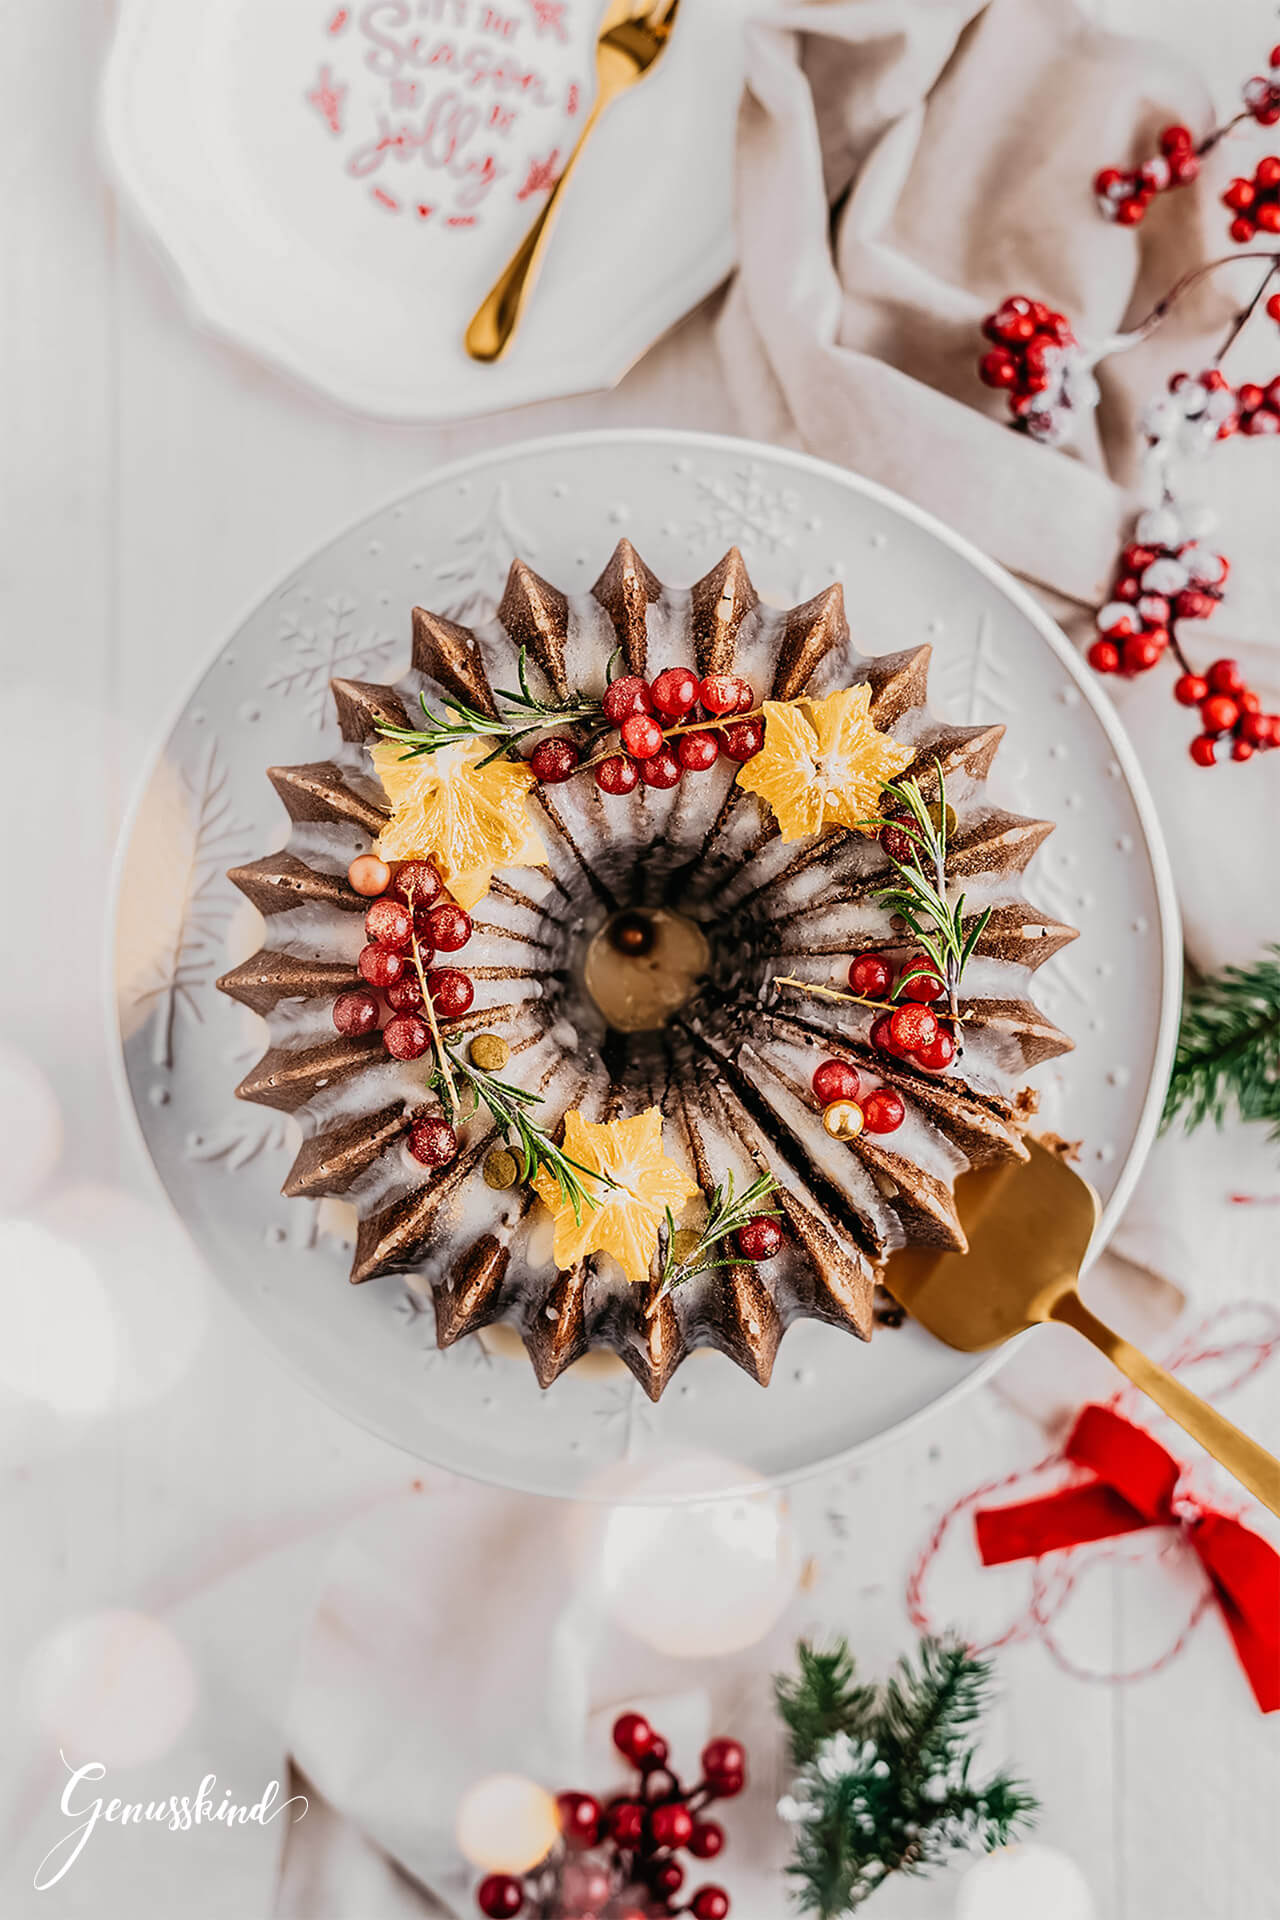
x,y
727,1212
530,714
920,895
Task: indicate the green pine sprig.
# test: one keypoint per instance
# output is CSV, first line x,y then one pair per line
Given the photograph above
x,y
1228,1054
727,1212
528,714
884,1781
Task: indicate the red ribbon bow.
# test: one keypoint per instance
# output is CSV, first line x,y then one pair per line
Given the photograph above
x,y
1134,1485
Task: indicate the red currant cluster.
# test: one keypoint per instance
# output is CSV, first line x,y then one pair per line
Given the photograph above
x,y
1262,92
661,738
618,1859
1033,359
1256,202
910,1031
1258,408
1155,584
1228,710
1124,194
409,908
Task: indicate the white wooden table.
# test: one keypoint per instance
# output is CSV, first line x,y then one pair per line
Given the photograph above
x,y
154,486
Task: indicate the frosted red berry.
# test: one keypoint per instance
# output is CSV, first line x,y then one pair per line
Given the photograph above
x,y
1204,749
407,1037
417,883
913,1027
380,966
882,1111
709,1903
674,692
697,751
554,760
882,1034
743,740
617,774
938,1056
580,1818
626,696
759,1239
633,1736
1219,713
1241,750
1189,689
870,975
671,1826
835,1080
706,1840
451,992
724,1759
389,923
405,996
721,693
641,736
433,1142
355,1012
1273,308
449,927
1224,676
625,1821
500,1896
661,770
1104,656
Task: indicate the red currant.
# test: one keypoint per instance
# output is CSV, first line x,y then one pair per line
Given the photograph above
x,y
554,760
368,876
709,1903
416,883
1176,139
451,992
1204,749
1224,676
760,1239
1241,750
617,774
1219,713
405,996
723,1760
1241,229
667,1878
743,740
721,693
624,697
1189,689
449,927
706,1840
651,1765
746,698
925,987
912,1028
500,1896
625,1821
882,1034
580,1818
380,966
674,692
407,1037
1141,651
870,975
433,1142
662,770
633,1736
882,1111
937,1057
355,1012
998,368
389,923
697,751
1273,307
833,1080
1104,656
641,736
671,1826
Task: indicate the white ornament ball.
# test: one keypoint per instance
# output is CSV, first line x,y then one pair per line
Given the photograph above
x,y
1028,1882
506,1824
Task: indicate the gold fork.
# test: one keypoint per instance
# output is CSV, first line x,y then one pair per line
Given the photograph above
x,y
1028,1226
632,37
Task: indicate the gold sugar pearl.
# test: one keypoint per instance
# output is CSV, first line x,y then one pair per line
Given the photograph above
x,y
500,1170
369,876
489,1052
842,1119
685,1243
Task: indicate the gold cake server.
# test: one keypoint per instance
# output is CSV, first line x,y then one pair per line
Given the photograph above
x,y
632,36
1029,1225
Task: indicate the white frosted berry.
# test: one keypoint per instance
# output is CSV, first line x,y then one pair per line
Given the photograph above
x,y
1158,527
1115,617
1164,576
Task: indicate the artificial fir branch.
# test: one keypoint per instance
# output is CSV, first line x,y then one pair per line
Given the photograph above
x,y
1229,1048
884,1772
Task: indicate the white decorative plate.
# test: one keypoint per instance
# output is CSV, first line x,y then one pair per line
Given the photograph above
x,y
338,185
562,505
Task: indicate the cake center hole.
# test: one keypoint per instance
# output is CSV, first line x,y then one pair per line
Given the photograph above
x,y
643,966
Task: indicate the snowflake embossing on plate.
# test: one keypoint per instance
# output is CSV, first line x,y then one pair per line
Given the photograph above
x,y
208,805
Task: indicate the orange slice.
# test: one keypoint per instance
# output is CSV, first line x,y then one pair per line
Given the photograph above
x,y
625,1219
824,763
467,819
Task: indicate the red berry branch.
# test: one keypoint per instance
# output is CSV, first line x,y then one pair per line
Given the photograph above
x,y
1165,576
617,1859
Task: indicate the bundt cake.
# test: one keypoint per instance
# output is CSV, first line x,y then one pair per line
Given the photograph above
x,y
645,966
